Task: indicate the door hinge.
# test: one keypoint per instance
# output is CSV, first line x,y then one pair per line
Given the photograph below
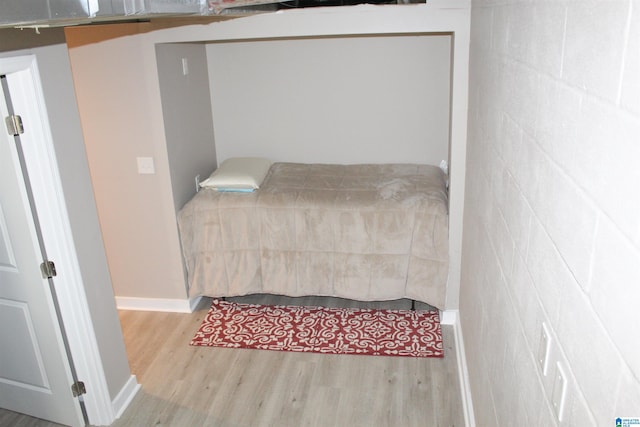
x,y
78,389
48,269
14,125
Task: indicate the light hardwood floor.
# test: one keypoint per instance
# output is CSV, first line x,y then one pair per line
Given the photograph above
x,y
198,386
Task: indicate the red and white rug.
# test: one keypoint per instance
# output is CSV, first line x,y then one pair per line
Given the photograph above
x,y
321,330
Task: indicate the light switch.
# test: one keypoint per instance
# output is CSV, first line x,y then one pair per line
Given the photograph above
x,y
145,165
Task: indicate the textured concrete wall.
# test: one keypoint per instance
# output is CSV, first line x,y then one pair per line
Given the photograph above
x,y
552,210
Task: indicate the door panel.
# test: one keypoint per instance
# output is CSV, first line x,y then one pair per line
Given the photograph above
x,y
7,258
22,364
35,375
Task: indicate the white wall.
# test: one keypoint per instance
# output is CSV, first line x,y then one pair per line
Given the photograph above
x,y
551,228
118,93
333,100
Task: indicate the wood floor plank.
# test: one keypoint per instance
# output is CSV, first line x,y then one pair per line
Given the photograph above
x,y
199,386
13,419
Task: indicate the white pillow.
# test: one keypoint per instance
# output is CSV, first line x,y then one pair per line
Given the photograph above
x,y
238,174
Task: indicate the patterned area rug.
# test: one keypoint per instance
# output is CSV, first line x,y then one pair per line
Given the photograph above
x,y
321,330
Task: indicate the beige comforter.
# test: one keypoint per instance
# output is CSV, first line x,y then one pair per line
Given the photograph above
x,y
363,232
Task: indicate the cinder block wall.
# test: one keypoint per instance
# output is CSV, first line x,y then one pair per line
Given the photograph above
x,y
552,210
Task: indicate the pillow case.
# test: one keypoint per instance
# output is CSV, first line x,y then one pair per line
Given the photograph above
x,y
241,174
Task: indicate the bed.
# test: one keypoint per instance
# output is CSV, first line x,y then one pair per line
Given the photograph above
x,y
368,232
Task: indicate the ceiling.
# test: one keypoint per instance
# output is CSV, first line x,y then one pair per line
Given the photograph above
x,y
60,13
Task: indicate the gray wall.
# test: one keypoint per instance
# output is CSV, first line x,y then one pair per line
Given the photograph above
x,y
188,122
551,228
372,99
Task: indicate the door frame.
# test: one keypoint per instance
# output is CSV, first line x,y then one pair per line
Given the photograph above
x,y
28,99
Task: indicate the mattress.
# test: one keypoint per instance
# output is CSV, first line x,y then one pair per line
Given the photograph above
x,y
367,232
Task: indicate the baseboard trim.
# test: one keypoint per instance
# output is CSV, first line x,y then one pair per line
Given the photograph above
x,y
125,396
158,304
194,303
448,317
453,317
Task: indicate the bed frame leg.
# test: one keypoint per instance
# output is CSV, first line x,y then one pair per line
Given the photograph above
x,y
413,305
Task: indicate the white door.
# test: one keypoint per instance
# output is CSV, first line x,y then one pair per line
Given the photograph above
x,y
35,374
